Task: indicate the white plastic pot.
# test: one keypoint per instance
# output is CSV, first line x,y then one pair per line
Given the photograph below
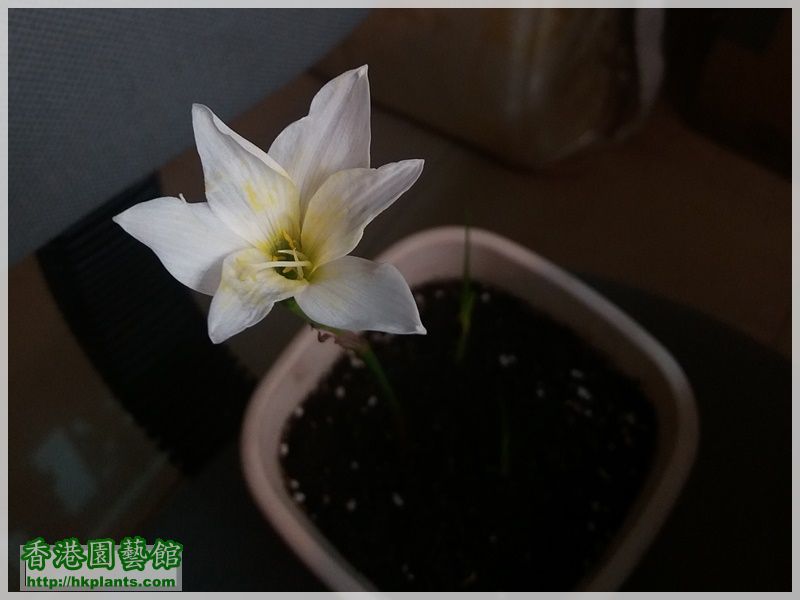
x,y
437,254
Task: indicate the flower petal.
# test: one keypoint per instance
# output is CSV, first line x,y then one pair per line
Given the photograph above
x,y
246,294
357,294
248,193
246,144
347,202
334,136
188,239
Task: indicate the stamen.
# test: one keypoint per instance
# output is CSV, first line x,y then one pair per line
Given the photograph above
x,y
300,268
288,239
285,266
274,264
298,257
294,253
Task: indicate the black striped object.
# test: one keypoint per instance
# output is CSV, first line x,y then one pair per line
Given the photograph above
x,y
145,334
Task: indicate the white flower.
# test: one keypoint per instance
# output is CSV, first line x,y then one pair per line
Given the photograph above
x,y
280,225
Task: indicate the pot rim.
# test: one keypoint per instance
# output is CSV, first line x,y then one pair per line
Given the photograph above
x,y
648,513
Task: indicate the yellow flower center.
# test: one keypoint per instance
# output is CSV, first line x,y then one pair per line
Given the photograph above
x,y
287,259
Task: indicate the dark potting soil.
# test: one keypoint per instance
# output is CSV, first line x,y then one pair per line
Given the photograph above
x,y
514,471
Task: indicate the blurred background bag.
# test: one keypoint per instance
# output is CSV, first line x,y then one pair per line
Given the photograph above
x,y
527,86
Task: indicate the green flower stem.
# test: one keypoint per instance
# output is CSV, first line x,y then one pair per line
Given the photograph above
x,y
362,347
466,304
371,360
465,313
465,318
